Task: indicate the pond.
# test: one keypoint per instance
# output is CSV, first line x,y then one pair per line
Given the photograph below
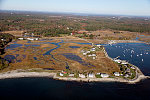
x,y
77,58
10,58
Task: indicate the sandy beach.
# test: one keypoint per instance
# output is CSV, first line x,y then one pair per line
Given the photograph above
x,y
19,74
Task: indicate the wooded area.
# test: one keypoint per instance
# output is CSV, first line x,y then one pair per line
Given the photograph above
x,y
56,24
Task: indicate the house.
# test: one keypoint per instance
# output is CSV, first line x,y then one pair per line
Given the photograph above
x,y
116,74
98,45
64,72
104,75
84,53
127,70
81,76
117,60
94,57
89,55
31,39
124,62
91,75
132,67
20,38
126,75
61,74
71,75
93,49
98,73
71,33
88,52
36,38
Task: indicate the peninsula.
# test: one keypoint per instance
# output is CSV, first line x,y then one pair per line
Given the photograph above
x,y
67,47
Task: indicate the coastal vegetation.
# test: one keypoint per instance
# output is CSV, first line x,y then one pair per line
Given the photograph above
x,y
5,38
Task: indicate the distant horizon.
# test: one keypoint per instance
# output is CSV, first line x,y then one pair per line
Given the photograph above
x,y
74,13
94,7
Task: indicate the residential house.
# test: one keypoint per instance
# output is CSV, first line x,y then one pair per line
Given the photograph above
x,y
116,74
91,75
20,38
93,49
71,75
61,74
81,76
104,75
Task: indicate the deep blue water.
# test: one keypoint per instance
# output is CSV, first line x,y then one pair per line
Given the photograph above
x,y
33,45
49,52
35,58
49,89
78,59
10,58
135,53
74,47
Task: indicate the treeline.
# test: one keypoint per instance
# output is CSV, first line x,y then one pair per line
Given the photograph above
x,y
5,38
122,24
54,25
3,63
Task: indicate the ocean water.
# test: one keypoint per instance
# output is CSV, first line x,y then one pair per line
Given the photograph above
x,y
136,53
49,89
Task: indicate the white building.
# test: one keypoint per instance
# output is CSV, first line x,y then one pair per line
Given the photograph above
x,y
91,75
98,73
124,62
81,76
94,57
20,38
30,39
88,52
98,45
93,49
36,39
117,60
84,53
89,55
103,75
61,74
71,75
132,67
126,75
116,74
